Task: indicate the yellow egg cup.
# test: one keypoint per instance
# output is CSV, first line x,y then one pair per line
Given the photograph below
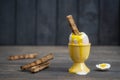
x,y
79,53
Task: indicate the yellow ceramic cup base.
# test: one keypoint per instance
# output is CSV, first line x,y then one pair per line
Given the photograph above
x,y
79,68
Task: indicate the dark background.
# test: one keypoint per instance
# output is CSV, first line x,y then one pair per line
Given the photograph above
x,y
43,22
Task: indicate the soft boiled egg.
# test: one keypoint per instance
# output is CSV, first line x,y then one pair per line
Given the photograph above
x,y
103,66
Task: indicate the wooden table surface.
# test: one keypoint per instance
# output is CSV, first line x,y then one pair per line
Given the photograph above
x,y
58,70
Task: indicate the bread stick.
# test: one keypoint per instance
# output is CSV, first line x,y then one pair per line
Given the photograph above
x,y
23,56
40,67
38,62
72,25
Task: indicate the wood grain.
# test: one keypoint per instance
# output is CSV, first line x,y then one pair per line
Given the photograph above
x,y
46,22
109,23
43,22
9,70
25,28
7,22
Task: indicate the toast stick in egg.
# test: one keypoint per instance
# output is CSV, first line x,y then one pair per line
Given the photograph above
x,y
72,25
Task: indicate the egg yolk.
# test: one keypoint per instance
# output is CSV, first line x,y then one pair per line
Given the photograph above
x,y
103,65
